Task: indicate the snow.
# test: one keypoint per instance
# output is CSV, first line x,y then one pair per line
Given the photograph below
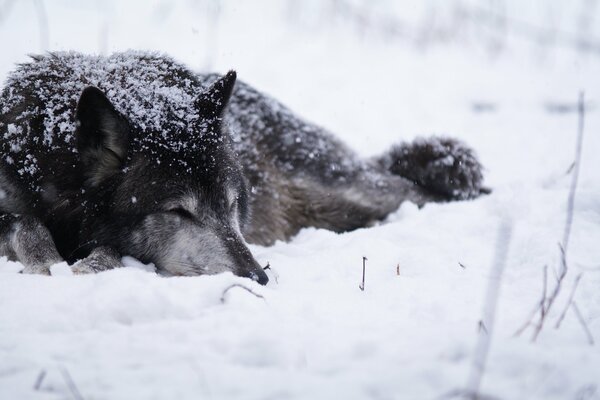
x,y
129,333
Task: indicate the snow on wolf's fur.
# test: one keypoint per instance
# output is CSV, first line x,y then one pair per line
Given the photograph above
x,y
157,95
162,102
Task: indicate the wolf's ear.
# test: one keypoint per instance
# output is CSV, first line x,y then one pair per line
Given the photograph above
x,y
213,101
102,136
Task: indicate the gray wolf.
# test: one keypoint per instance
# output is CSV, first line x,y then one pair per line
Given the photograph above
x,y
135,154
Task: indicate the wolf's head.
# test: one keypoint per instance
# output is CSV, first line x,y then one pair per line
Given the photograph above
x,y
179,205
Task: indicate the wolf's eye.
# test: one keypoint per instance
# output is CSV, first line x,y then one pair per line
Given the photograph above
x,y
182,212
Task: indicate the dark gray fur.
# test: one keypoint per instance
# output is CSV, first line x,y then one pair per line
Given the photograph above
x,y
136,155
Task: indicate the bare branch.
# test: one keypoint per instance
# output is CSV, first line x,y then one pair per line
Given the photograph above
x,y
541,306
562,315
564,245
71,384
362,285
571,201
528,321
543,299
482,327
486,324
40,378
570,169
584,324
552,298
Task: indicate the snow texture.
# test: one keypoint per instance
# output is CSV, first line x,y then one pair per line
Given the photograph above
x,y
129,333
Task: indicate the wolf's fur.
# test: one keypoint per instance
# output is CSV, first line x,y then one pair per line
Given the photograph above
x,y
136,155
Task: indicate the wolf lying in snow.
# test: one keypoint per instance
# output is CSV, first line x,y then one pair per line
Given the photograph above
x,y
134,154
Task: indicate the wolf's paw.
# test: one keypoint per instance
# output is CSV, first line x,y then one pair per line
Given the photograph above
x,y
36,269
100,259
84,266
442,165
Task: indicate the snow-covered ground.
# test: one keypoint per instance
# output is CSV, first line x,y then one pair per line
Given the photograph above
x,y
130,334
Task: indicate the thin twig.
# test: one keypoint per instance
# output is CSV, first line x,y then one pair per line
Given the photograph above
x,y
39,380
484,338
543,301
564,245
482,327
528,321
572,190
71,384
541,305
583,323
570,168
562,315
362,285
552,297
227,289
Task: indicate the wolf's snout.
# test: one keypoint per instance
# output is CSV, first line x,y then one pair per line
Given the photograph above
x,y
255,272
247,266
259,276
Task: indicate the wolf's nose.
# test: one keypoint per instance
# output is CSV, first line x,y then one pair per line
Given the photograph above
x,y
259,276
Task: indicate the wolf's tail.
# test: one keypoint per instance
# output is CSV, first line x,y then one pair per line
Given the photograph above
x,y
443,166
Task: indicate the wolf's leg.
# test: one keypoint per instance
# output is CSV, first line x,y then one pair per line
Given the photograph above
x,y
444,166
100,259
24,238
